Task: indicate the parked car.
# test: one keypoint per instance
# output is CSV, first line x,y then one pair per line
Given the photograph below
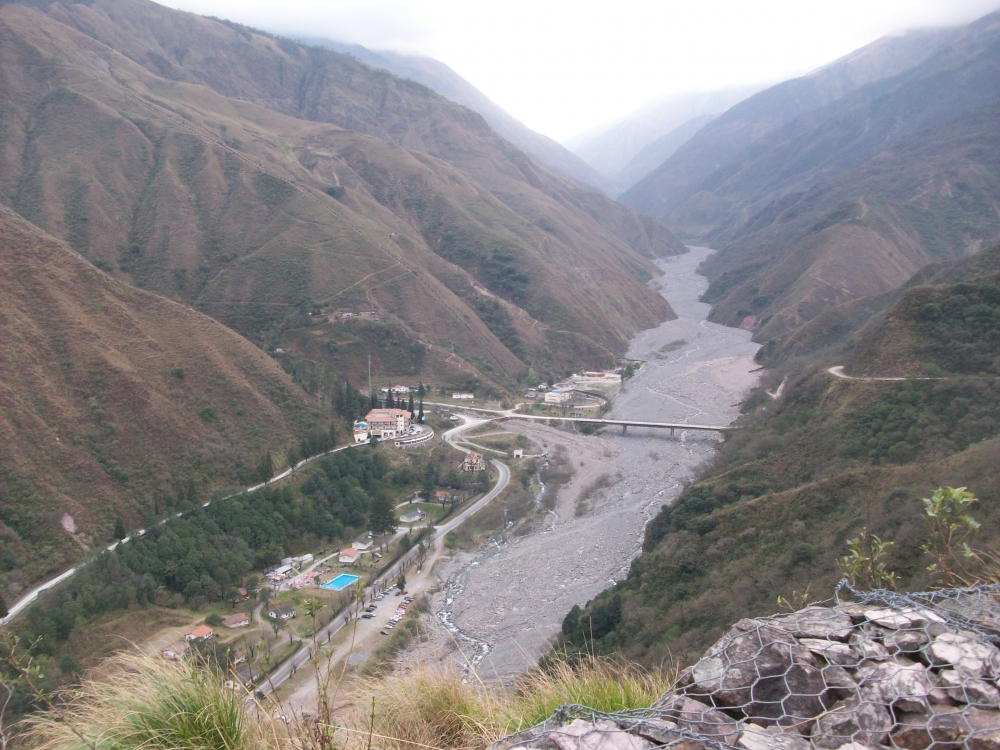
x,y
408,599
389,626
384,632
367,615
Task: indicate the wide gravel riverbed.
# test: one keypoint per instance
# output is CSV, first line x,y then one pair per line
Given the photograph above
x,y
501,608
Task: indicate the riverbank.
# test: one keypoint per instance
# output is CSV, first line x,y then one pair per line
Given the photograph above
x,y
504,606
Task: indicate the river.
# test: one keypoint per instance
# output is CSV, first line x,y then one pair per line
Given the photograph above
x,y
503,606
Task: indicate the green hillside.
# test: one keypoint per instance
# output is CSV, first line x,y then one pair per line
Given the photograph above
x,y
805,472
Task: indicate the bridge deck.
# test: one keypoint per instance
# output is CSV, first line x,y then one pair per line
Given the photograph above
x,y
623,422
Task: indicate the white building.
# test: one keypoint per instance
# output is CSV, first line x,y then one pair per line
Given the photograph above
x,y
463,394
388,423
349,556
558,397
362,434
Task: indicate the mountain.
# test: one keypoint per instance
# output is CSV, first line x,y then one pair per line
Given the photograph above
x,y
806,471
724,141
439,77
848,199
271,184
117,403
620,150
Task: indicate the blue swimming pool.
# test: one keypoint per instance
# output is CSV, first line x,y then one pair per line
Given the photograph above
x,y
340,582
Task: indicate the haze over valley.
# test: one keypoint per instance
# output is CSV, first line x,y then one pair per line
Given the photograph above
x,y
329,381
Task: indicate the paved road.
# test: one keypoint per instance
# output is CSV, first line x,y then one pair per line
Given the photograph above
x,y
369,629
838,372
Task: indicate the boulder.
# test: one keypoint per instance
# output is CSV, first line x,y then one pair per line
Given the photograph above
x,y
972,658
903,619
756,737
901,684
604,735
852,720
697,717
968,727
833,652
968,689
762,671
815,622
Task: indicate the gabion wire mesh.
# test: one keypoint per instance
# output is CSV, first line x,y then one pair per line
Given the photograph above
x,y
883,670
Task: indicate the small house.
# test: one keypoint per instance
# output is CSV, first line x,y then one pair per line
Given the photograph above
x,y
463,395
176,651
200,633
364,544
284,612
239,620
519,453
349,556
413,516
442,496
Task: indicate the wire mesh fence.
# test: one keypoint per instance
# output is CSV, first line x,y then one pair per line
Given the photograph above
x,y
866,669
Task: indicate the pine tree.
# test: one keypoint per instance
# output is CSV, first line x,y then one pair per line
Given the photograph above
x,y
410,407
119,532
383,514
388,400
3,607
420,416
421,391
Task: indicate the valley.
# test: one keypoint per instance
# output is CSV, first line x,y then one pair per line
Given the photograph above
x,y
504,606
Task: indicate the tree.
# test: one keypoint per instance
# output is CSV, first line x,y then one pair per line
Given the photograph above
x,y
950,526
430,481
401,582
265,595
234,597
410,407
420,416
421,391
265,468
277,625
3,607
119,532
253,587
383,516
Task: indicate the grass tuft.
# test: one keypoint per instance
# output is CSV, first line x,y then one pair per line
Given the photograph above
x,y
144,702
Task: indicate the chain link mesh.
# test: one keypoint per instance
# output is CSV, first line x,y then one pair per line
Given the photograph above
x,y
866,669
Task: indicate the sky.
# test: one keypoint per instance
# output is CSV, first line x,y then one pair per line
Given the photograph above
x,y
565,67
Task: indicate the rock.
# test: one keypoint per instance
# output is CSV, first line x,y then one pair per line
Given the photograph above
x,y
978,729
815,622
699,718
902,684
903,619
754,737
834,653
852,720
657,731
906,641
604,735
871,648
855,746
762,671
968,689
839,682
970,657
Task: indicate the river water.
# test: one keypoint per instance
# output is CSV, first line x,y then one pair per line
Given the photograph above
x,y
503,606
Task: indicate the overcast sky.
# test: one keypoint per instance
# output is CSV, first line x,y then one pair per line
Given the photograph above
x,y
565,66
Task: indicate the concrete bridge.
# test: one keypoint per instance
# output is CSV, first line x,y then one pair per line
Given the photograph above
x,y
624,423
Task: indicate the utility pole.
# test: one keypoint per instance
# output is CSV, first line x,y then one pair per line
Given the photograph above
x,y
369,376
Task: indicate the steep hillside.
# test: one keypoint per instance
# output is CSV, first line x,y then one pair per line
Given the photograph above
x,y
436,75
117,403
730,137
927,197
260,219
805,472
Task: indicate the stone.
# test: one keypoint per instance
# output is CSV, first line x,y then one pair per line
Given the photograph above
x,y
852,720
902,684
855,746
833,652
604,735
978,729
970,657
763,671
906,641
903,619
968,689
755,737
657,731
815,622
699,718
871,648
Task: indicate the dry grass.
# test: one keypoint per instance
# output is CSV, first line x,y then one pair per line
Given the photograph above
x,y
430,705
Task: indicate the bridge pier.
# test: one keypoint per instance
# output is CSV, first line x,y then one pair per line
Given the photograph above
x,y
624,430
671,432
